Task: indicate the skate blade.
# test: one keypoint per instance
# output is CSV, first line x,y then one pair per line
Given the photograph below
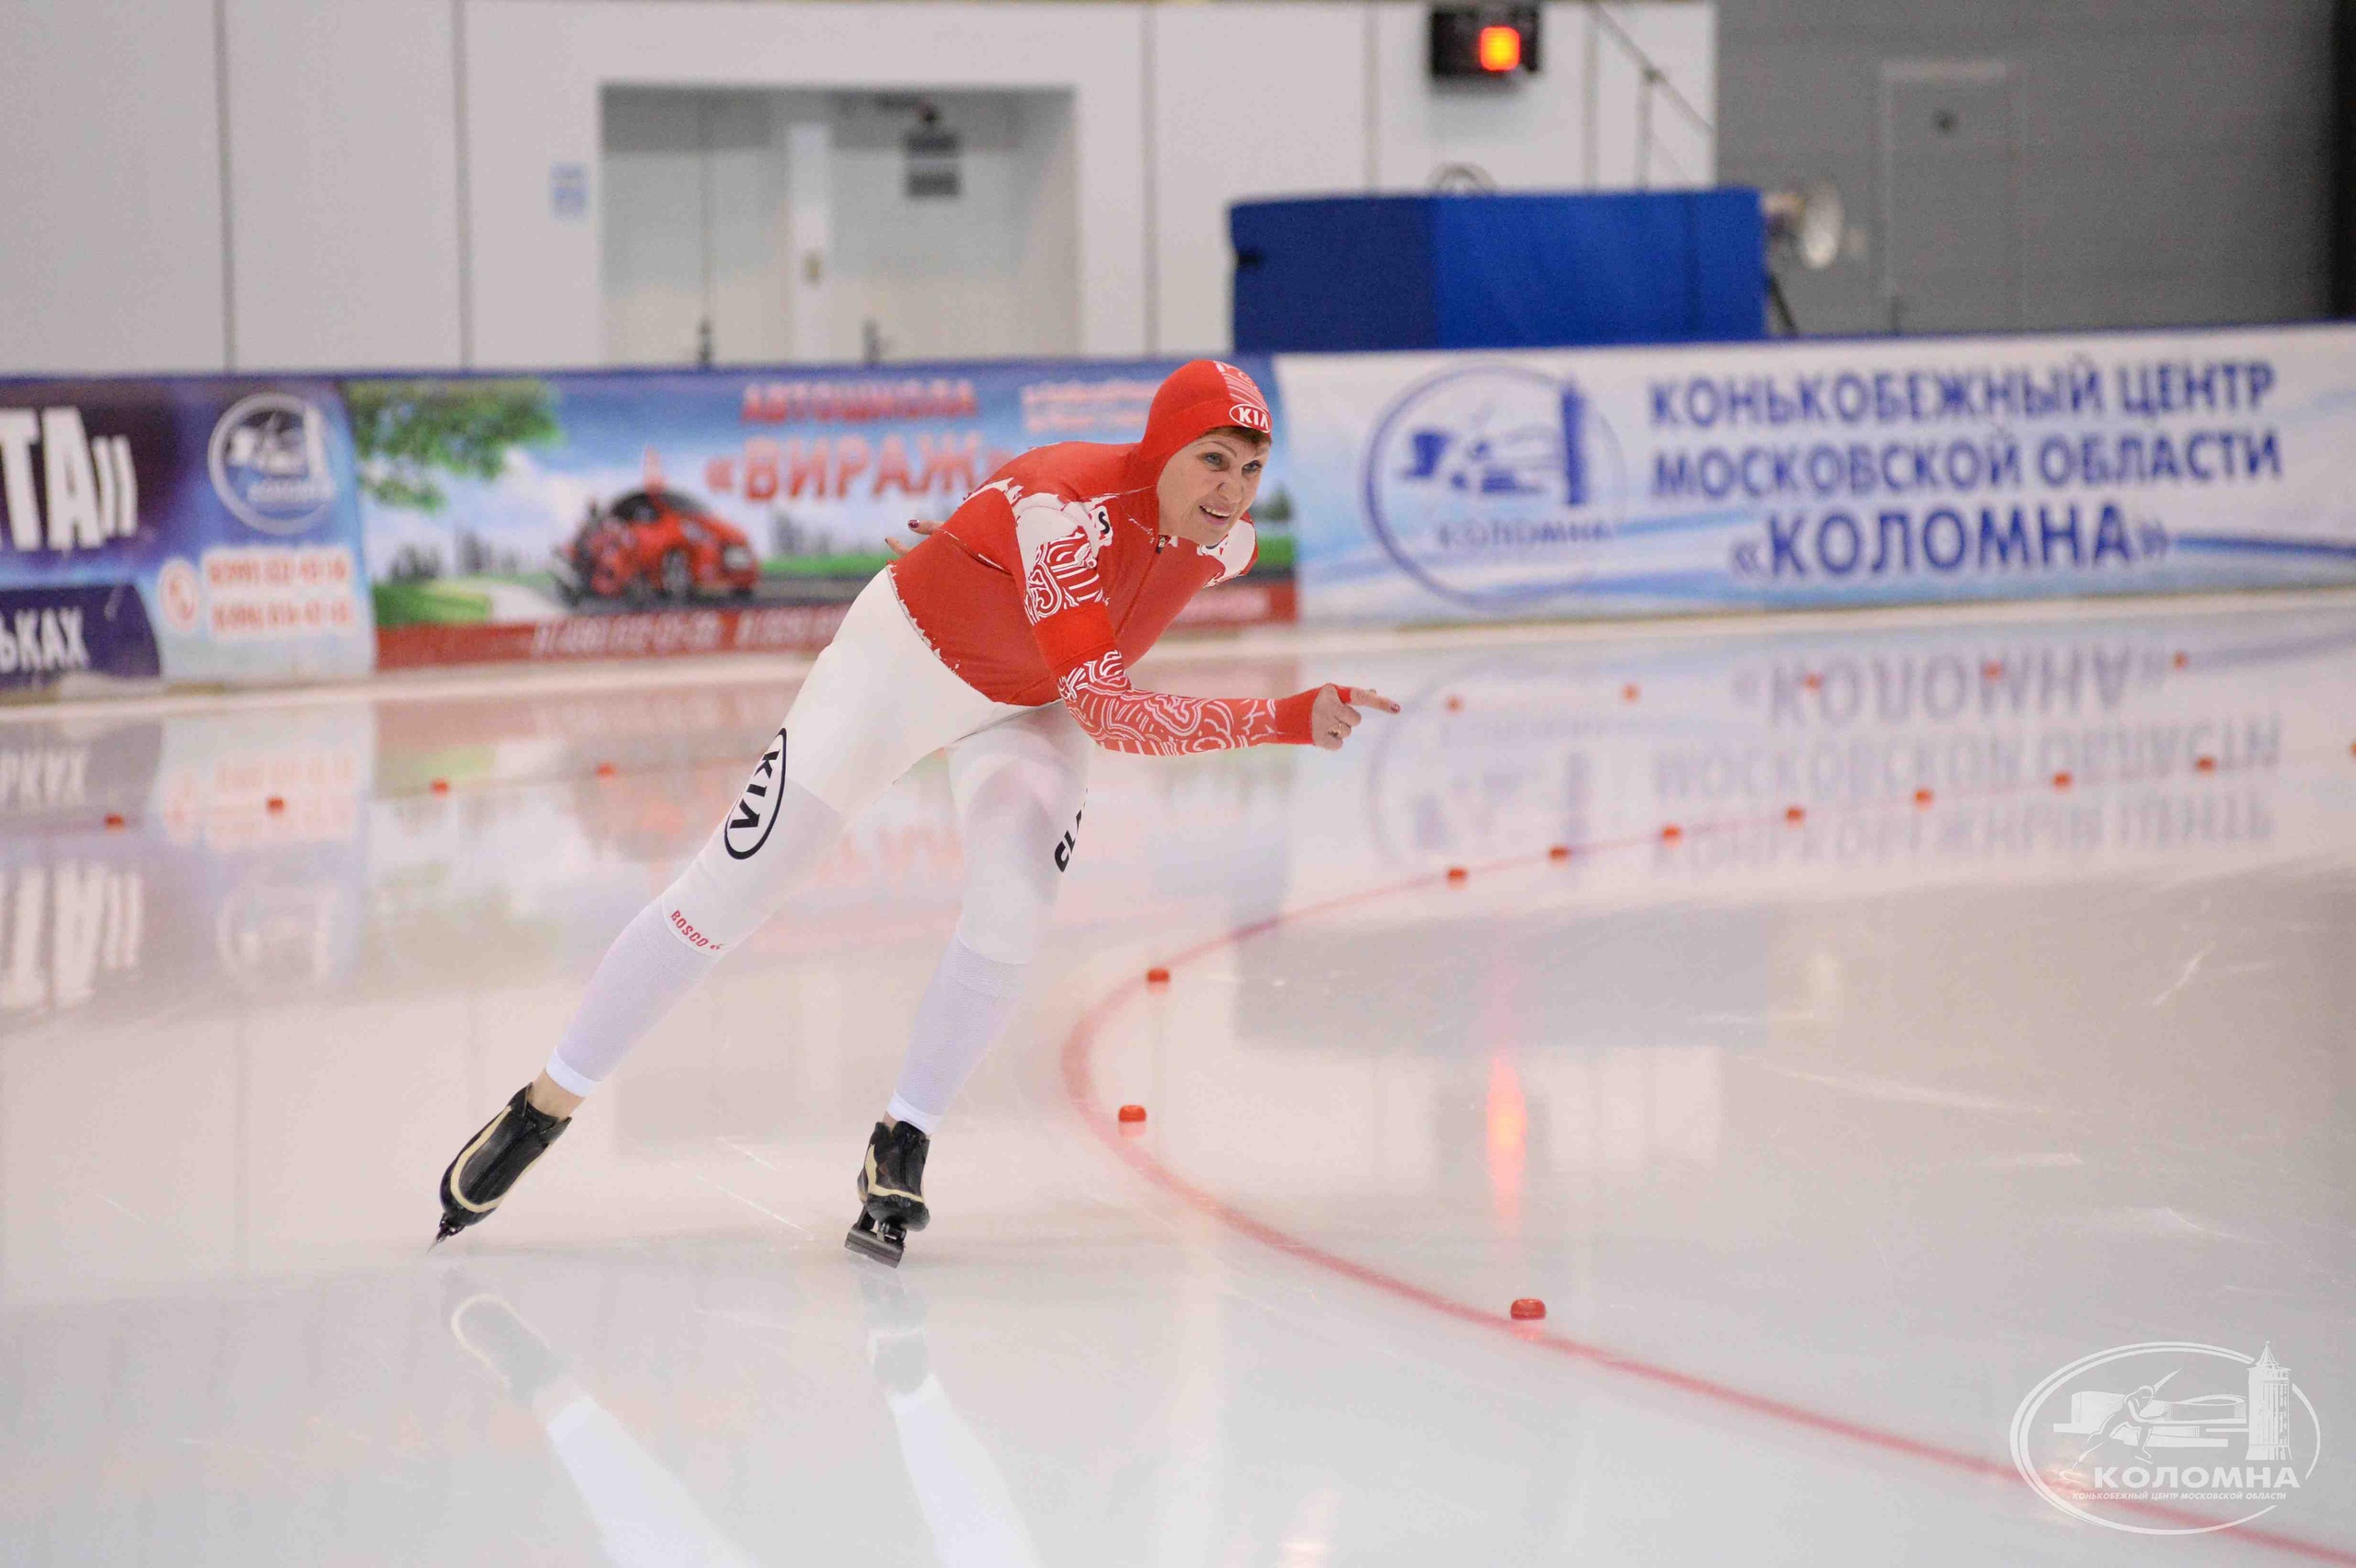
x,y
867,1242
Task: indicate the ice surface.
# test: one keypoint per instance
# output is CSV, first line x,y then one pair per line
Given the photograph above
x,y
1823,1141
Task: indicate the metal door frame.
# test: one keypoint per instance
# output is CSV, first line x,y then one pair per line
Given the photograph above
x,y
1974,72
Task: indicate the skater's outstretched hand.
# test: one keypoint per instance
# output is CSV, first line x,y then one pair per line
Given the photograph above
x,y
918,526
1332,717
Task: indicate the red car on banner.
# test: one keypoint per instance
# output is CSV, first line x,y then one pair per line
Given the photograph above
x,y
656,542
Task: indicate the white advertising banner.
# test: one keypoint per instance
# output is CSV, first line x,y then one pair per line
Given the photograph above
x,y
1435,487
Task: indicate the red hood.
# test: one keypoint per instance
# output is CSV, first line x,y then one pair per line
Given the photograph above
x,y
1200,397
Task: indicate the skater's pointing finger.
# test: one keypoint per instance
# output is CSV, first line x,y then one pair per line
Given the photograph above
x,y
917,525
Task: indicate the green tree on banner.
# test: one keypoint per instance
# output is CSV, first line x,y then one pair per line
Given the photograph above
x,y
406,432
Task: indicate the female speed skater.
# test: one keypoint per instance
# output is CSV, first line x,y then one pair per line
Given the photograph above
x,y
1005,635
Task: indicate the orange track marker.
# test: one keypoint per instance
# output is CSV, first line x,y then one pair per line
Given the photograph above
x,y
1558,852
1457,876
441,786
1628,693
2062,780
2182,659
1455,704
604,770
1671,834
1992,671
1813,681
1922,796
1132,1113
1795,814
2204,764
1528,1309
1156,975
275,804
114,821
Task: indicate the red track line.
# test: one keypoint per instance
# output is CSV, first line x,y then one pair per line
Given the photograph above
x,y
1080,1088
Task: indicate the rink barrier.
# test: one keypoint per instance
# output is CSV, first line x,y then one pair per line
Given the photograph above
x,y
261,530
198,531
1820,473
185,530
1078,1063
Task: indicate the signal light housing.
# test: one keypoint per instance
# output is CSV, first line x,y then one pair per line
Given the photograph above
x,y
1484,42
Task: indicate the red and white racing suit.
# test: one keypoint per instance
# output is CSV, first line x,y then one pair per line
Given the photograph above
x,y
1005,638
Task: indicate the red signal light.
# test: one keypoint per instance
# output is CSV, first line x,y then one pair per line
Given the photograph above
x,y
1484,40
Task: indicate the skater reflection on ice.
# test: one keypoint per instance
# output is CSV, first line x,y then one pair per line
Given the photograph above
x,y
964,1497
647,1519
644,1517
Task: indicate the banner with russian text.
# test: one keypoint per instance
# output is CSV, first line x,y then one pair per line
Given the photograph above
x,y
193,530
1639,481
603,514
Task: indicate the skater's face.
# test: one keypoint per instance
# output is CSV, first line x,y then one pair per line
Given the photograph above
x,y
1209,484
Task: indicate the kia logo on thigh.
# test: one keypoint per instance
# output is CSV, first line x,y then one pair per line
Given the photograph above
x,y
748,826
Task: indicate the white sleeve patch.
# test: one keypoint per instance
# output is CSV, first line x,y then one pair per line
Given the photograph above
x,y
1041,518
1234,552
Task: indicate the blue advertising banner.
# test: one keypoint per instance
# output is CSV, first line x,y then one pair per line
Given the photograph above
x,y
1615,482
225,530
587,515
193,530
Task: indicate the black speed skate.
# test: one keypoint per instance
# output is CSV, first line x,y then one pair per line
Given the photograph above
x,y
891,1190
492,1160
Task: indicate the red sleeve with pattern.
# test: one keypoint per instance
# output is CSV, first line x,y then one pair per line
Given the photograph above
x,y
1057,539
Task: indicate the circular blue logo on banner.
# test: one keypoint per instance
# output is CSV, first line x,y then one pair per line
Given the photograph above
x,y
1493,485
270,463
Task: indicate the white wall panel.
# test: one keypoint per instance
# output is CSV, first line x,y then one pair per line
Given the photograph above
x,y
343,182
535,68
650,175
1661,147
350,247
532,109
1525,133
709,211
1532,133
1249,100
808,143
111,187
990,273
1046,158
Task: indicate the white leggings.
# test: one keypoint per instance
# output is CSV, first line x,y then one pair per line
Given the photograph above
x,y
876,701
